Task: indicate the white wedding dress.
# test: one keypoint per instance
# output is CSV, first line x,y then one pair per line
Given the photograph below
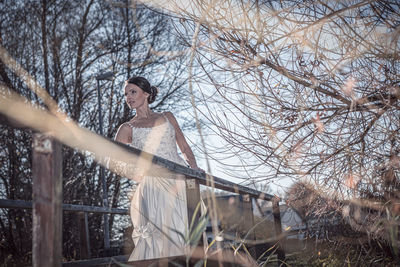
x,y
158,207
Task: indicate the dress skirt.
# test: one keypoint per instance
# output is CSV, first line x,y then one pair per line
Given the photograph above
x,y
159,217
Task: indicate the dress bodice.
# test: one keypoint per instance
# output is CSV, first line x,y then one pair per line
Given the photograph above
x,y
159,140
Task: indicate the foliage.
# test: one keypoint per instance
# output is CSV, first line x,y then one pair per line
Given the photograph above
x,y
335,223
336,254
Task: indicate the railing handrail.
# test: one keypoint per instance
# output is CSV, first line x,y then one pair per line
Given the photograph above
x,y
23,204
202,177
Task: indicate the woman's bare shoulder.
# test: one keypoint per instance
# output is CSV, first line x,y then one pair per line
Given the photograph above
x,y
169,115
124,132
171,118
126,126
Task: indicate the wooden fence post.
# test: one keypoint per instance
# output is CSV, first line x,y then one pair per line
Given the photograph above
x,y
193,199
248,216
84,240
47,200
278,230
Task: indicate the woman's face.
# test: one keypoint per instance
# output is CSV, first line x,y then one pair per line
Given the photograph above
x,y
135,97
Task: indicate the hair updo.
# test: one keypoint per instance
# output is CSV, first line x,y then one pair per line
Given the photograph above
x,y
144,84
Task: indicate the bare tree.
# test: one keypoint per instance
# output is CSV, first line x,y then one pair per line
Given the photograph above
x,y
63,46
307,90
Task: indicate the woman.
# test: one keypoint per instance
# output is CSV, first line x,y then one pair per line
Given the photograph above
x,y
158,207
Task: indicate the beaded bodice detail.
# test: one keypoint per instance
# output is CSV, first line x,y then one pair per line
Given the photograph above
x,y
159,140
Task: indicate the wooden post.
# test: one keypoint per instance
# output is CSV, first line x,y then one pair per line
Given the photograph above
x,y
84,244
248,219
47,200
193,199
278,230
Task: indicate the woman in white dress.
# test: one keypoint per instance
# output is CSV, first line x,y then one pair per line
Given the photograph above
x,y
158,207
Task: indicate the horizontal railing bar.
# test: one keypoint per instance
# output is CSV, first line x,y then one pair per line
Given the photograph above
x,y
15,204
22,204
94,209
201,176
98,261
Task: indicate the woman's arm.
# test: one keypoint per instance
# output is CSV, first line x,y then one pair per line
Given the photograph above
x,y
181,141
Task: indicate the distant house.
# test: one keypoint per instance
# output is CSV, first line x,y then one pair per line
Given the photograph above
x,y
293,226
292,223
237,217
234,219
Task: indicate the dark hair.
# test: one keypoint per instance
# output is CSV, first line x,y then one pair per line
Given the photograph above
x,y
144,84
